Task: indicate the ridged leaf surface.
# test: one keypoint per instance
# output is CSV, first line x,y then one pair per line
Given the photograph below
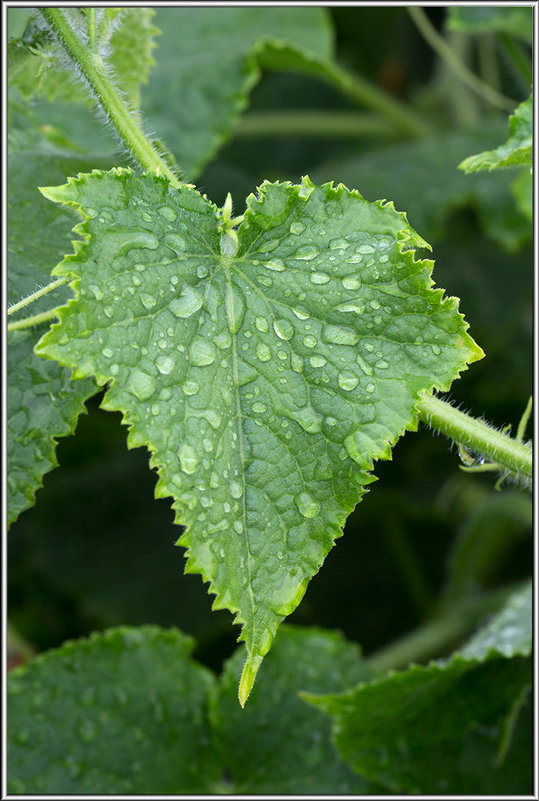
x,y
265,370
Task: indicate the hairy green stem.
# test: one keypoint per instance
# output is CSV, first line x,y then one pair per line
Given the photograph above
x,y
92,67
341,124
28,322
435,637
440,46
92,30
37,294
477,436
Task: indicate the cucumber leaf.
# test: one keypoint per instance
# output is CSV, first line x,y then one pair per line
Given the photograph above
x,y
144,717
515,20
265,368
208,63
518,149
121,712
398,171
447,726
42,401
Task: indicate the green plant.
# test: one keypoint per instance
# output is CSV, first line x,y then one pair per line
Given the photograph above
x,y
266,361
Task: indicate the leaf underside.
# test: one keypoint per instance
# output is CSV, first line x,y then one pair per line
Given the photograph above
x,y
266,381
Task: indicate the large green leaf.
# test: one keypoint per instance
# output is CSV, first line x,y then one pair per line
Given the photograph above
x,y
447,726
121,712
518,149
207,64
276,745
422,177
144,717
124,37
265,370
516,20
42,401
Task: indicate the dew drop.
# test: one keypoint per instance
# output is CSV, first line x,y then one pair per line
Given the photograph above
x,y
297,227
108,311
236,489
330,421
96,291
300,314
365,249
351,282
190,387
317,361
238,527
306,253
258,407
141,384
436,350
155,409
263,352
235,308
188,459
369,347
339,335
306,505
264,280
148,301
167,213
213,418
176,242
365,366
107,353
338,244
375,304
347,380
370,388
309,419
284,329
202,352
296,362
275,264
309,341
188,302
137,280
262,324
165,364
350,307
319,278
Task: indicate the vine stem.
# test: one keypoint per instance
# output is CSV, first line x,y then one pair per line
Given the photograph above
x,y
27,322
435,636
440,46
35,295
92,67
341,124
477,436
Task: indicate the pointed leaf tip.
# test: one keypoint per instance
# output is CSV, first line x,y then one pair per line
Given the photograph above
x,y
248,676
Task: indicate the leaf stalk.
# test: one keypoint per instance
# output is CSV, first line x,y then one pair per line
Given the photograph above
x,y
108,96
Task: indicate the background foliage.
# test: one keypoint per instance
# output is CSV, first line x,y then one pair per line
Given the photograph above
x,y
97,549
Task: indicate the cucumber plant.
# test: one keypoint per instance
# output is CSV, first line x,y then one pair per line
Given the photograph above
x,y
265,360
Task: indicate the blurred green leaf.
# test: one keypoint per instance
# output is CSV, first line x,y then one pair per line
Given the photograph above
x,y
516,152
278,744
422,178
207,66
516,20
444,727
122,712
486,537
